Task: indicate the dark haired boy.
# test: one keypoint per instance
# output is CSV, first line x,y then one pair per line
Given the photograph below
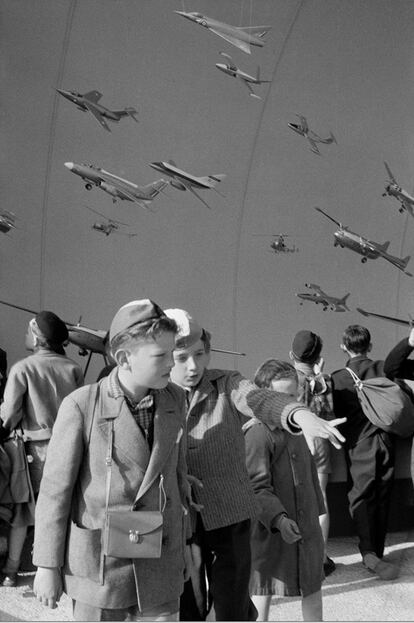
x,y
146,415
369,452
219,403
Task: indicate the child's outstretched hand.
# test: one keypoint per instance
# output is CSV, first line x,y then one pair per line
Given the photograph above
x,y
47,586
288,529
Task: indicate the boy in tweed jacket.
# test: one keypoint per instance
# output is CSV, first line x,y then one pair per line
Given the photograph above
x,y
219,402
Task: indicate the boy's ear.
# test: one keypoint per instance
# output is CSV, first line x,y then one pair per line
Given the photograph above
x,y
121,358
369,347
291,355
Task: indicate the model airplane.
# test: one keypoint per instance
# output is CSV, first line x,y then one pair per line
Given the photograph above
x,y
7,220
241,37
302,128
109,226
318,296
89,102
115,186
394,190
400,321
231,69
278,244
345,238
185,181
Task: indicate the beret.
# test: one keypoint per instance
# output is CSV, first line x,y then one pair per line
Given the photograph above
x,y
132,314
306,346
51,327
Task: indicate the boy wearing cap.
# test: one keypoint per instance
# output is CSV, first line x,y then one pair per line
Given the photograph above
x,y
34,390
135,416
315,390
369,452
219,402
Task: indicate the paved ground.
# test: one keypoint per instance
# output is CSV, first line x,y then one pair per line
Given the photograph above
x,y
350,594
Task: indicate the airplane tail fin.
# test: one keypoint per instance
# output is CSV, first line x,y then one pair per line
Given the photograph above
x,y
155,188
405,261
258,80
131,112
343,301
259,31
384,247
215,179
332,137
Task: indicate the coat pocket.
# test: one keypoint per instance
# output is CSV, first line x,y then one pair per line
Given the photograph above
x,y
83,558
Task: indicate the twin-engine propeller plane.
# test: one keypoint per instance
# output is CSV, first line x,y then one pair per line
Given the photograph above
x,y
241,37
231,69
320,297
302,128
89,102
185,181
115,186
394,190
347,239
109,226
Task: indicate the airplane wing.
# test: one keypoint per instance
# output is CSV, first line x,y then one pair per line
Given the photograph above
x,y
314,147
399,321
97,115
242,45
407,205
191,189
315,287
126,194
93,96
390,175
304,123
251,92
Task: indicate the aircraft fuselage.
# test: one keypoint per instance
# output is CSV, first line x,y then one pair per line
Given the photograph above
x,y
174,172
222,27
349,240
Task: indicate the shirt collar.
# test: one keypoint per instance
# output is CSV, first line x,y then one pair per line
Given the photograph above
x,y
117,392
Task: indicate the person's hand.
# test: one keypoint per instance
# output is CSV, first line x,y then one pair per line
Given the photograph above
x,y
313,426
288,529
47,586
188,562
411,338
318,366
195,483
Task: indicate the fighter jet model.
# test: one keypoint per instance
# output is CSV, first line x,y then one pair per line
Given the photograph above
x,y
394,190
231,69
302,128
109,226
7,220
318,296
89,102
278,244
185,181
241,37
345,238
115,186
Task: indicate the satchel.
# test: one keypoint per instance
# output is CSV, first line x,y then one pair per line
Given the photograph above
x,y
20,484
129,533
385,404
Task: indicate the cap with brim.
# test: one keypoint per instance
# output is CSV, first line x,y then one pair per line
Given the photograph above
x,y
189,331
306,346
133,314
51,327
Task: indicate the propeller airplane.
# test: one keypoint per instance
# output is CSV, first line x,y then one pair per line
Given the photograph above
x,y
231,69
241,37
369,249
117,187
88,102
392,189
302,128
318,296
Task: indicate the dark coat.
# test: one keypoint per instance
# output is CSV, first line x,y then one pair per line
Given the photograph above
x,y
284,479
73,487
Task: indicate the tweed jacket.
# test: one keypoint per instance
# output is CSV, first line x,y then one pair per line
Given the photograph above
x,y
71,505
284,478
220,404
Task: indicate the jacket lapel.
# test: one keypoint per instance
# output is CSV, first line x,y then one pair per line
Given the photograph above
x,y
204,388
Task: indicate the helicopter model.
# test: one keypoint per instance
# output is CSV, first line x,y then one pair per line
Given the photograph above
x,y
278,244
394,190
347,239
7,220
109,226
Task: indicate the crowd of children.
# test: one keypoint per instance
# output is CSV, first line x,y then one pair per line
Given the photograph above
x,y
167,488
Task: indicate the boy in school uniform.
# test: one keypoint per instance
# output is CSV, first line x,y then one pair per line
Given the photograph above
x,y
219,402
146,416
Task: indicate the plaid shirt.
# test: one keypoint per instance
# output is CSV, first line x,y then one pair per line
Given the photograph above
x,y
143,411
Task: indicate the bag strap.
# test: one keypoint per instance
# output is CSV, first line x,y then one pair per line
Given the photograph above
x,y
355,377
108,461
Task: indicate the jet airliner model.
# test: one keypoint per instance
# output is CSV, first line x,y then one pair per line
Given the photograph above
x,y
115,186
89,102
231,69
185,181
241,37
394,190
369,249
318,296
302,128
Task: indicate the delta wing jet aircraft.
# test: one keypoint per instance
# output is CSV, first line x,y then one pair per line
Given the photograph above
x,y
185,181
241,37
369,249
302,128
115,186
231,69
394,190
89,102
318,296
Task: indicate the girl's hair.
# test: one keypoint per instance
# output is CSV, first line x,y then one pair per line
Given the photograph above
x,y
145,331
274,370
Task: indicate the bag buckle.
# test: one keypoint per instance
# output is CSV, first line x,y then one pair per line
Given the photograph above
x,y
135,536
